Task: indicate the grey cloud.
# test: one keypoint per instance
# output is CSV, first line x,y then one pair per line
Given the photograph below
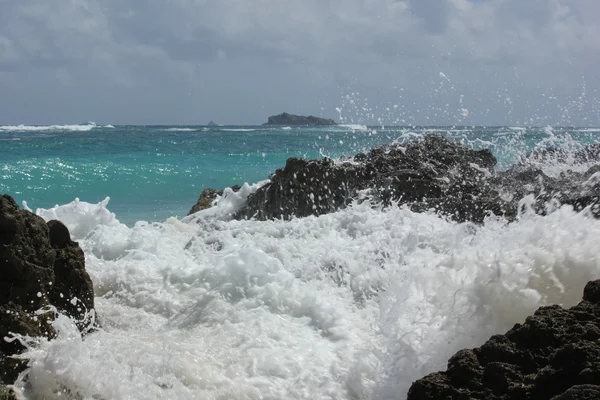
x,y
433,13
189,61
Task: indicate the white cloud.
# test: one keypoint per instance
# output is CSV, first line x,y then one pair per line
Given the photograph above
x,y
238,61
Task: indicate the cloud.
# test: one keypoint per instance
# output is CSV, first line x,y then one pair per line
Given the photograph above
x,y
238,61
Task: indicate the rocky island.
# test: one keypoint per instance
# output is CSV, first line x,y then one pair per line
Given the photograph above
x,y
298,120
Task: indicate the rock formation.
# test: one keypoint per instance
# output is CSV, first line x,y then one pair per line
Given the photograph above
x,y
291,119
39,266
554,354
207,197
432,174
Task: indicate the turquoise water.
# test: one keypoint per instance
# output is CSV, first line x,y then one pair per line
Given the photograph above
x,y
153,172
356,304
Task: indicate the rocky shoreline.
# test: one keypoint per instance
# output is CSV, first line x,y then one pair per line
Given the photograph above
x,y
40,268
554,354
429,175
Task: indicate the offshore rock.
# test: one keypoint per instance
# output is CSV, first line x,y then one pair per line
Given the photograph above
x,y
554,354
39,266
431,174
291,119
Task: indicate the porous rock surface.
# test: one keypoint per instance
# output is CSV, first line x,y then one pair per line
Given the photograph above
x,y
554,354
432,174
39,266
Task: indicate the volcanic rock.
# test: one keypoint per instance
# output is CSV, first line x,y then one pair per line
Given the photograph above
x,y
554,354
39,266
431,174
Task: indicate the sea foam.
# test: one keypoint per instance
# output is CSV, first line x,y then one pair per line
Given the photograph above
x,y
44,128
356,304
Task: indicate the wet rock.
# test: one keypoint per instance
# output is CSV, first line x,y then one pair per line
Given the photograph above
x,y
589,153
207,197
554,354
59,233
433,174
580,392
429,173
546,154
39,266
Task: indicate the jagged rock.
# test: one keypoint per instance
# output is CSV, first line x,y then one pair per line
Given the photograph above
x,y
554,354
589,153
207,197
39,266
432,174
291,119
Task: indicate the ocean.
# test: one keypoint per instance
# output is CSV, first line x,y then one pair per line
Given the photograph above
x,y
356,304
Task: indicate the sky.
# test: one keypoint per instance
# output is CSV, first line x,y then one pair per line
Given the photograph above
x,y
392,62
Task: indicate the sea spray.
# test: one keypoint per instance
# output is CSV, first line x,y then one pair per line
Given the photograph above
x,y
357,303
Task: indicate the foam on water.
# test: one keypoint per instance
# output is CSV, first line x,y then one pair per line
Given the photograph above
x,y
352,305
181,130
42,128
355,127
80,217
592,130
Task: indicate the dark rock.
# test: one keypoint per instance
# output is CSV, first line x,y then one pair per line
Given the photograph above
x,y
546,154
437,386
589,153
291,119
464,369
433,173
39,266
554,354
72,290
59,233
580,392
591,292
207,197
304,188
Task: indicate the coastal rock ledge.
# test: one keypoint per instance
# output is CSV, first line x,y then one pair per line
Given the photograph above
x,y
433,174
40,266
298,120
554,354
